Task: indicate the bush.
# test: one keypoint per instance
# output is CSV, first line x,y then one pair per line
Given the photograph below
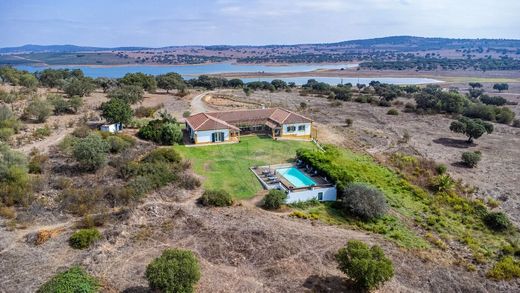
x,y
506,269
392,112
441,169
145,112
497,221
384,103
186,114
74,279
364,201
164,154
162,131
36,163
91,152
367,267
38,110
175,270
6,133
117,144
516,123
274,199
216,198
471,159
349,122
189,182
83,238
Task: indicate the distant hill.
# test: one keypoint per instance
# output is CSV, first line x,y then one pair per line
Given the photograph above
x,y
61,49
401,43
421,43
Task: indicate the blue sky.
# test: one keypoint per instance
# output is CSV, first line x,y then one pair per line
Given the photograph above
x,y
161,22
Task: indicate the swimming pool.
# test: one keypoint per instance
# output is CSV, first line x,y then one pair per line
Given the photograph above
x,y
296,177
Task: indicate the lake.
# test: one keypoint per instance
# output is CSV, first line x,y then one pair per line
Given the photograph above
x,y
188,71
191,71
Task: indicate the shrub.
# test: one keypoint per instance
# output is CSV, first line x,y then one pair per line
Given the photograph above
x,y
74,279
471,159
15,187
91,152
42,132
82,131
274,199
38,110
441,169
79,87
165,154
349,122
164,131
442,183
489,100
6,133
504,115
392,112
516,123
83,238
409,107
175,270
367,267
497,221
189,182
506,269
7,212
145,112
186,114
216,198
384,103
117,144
364,201
36,163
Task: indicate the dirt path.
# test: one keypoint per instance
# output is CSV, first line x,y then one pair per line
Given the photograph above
x,y
198,105
44,145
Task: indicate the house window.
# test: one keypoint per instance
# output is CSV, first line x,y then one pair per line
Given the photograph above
x,y
301,128
320,196
291,128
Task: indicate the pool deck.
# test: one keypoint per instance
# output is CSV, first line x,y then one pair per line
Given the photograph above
x,y
270,179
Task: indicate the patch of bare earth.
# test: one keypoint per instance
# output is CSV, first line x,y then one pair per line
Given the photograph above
x,y
241,249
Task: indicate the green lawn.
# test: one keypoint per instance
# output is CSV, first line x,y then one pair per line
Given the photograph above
x,y
226,166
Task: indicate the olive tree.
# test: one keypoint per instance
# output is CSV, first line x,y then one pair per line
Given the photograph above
x,y
472,128
116,111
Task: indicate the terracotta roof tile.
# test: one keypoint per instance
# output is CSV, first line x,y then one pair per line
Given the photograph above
x,y
272,117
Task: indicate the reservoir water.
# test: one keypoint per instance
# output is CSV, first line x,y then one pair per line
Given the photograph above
x,y
191,71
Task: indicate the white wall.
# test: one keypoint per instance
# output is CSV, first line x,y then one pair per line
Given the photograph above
x,y
307,130
205,136
329,194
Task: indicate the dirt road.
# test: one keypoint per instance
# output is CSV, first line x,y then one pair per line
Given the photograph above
x,y
197,103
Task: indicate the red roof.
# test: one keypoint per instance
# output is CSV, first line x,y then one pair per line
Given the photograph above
x,y
203,121
272,117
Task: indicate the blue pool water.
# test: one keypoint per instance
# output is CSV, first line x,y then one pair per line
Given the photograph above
x,y
296,177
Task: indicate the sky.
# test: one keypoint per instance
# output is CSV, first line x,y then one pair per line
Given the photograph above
x,y
157,23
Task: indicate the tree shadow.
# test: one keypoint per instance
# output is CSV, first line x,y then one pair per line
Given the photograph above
x,y
137,289
460,164
317,283
456,143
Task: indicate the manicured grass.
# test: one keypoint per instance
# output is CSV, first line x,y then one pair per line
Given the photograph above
x,y
226,166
